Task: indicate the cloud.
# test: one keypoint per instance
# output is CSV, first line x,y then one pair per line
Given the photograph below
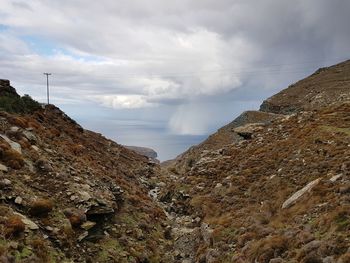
x,y
176,55
123,101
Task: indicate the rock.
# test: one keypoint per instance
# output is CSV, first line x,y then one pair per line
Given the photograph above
x,y
5,183
246,131
49,228
207,234
297,195
139,234
85,196
312,246
328,259
14,145
43,165
6,89
14,129
335,177
35,148
100,210
29,223
30,136
88,225
3,168
76,216
83,236
18,200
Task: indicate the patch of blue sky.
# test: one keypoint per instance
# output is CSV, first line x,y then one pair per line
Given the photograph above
x,y
46,47
4,27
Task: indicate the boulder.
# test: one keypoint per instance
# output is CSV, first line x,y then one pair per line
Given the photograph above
x,y
246,131
297,195
14,145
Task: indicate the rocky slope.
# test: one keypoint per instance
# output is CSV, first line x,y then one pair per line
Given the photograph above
x,y
71,195
272,186
272,189
326,86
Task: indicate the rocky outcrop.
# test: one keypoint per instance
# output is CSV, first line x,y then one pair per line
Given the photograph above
x,y
326,86
148,152
6,89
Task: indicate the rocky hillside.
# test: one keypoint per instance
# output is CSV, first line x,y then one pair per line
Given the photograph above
x,y
71,195
326,86
272,188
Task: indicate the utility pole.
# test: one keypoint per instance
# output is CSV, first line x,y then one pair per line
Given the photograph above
x,y
47,87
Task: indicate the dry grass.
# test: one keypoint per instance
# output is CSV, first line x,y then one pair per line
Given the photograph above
x,y
14,226
11,157
41,207
267,248
18,121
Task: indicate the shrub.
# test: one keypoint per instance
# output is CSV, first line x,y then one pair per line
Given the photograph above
x,y
16,104
41,207
11,157
14,226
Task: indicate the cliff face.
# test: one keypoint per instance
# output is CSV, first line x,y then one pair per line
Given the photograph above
x,y
71,195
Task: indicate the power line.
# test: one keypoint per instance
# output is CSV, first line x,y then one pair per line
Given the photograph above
x,y
267,69
47,87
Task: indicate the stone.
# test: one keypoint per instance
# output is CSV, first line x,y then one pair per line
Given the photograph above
x,y
5,183
335,177
100,210
207,234
6,89
328,259
35,148
85,196
76,216
49,228
29,223
3,168
297,195
88,225
14,145
30,136
14,129
247,131
139,234
312,246
18,200
83,236
43,165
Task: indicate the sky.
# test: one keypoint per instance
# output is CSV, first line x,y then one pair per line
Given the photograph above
x,y
166,74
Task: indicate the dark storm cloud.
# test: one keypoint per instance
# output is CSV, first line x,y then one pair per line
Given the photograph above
x,y
187,54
